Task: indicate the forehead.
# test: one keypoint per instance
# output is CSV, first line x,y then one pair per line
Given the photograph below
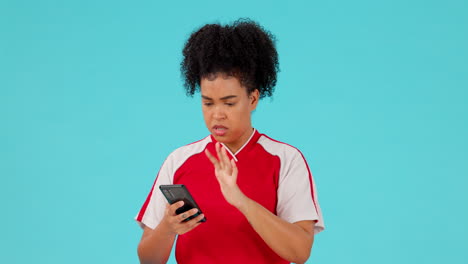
x,y
220,85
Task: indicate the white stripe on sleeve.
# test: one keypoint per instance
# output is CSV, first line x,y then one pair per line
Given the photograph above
x,y
295,200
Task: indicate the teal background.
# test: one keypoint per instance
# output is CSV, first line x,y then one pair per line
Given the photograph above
x,y
374,93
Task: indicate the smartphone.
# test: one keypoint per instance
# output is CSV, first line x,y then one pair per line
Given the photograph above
x,y
178,192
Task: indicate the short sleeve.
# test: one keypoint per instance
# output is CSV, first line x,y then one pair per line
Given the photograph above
x,y
152,211
297,195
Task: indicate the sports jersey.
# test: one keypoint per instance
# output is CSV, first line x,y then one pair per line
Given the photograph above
x,y
272,173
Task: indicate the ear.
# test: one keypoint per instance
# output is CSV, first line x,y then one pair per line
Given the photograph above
x,y
254,97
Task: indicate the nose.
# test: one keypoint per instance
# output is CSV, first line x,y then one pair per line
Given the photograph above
x,y
219,113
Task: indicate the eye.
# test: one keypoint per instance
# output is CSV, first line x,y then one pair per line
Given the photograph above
x,y
207,103
230,104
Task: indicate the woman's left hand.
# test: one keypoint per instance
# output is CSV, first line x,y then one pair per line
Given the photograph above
x,y
226,173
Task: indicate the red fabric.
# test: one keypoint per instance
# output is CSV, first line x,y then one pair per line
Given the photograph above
x,y
227,237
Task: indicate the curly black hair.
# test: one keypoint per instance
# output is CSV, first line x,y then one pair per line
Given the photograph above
x,y
243,49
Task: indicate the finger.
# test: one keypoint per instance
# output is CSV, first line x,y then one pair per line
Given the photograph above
x,y
187,214
195,221
211,157
235,171
220,156
217,148
189,226
226,162
174,207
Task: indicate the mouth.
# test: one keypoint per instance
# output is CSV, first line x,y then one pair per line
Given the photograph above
x,y
219,130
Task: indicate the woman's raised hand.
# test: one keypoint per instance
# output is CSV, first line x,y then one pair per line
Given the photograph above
x,y
226,172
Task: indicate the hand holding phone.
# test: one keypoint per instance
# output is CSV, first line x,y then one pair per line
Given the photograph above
x,y
178,192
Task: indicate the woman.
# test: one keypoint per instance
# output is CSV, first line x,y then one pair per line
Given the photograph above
x,y
257,194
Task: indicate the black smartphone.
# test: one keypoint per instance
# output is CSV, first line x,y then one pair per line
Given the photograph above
x,y
178,192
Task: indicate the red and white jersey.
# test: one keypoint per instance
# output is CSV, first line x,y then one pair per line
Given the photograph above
x,y
272,173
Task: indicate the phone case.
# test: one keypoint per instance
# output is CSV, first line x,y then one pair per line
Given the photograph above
x,y
178,192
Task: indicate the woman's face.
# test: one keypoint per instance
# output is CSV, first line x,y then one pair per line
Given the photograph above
x,y
226,109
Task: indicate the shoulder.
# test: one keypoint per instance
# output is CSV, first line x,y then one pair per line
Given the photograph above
x,y
278,148
185,152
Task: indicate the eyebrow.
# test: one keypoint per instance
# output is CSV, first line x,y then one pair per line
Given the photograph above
x,y
222,98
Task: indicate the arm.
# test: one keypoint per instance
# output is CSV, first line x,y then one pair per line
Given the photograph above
x,y
156,244
291,241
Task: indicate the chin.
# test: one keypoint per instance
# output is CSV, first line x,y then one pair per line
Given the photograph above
x,y
221,139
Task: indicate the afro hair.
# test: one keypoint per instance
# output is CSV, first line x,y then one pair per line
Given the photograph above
x,y
242,49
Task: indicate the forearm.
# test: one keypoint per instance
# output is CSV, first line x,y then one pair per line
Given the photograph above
x,y
156,245
288,240
292,242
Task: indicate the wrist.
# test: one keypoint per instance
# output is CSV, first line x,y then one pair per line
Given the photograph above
x,y
244,204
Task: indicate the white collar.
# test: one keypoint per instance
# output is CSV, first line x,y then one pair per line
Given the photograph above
x,y
239,150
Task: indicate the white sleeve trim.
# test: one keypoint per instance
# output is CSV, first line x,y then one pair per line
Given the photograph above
x,y
297,199
154,211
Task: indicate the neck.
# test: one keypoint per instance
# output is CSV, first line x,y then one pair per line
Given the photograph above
x,y
235,146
